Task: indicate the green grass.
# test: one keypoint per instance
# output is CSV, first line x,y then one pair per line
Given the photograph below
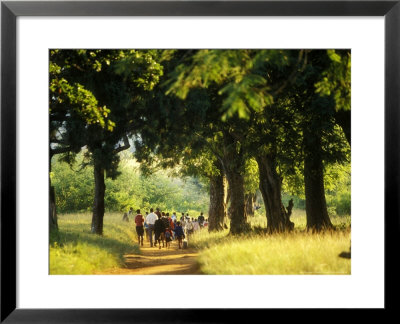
x,y
297,253
74,250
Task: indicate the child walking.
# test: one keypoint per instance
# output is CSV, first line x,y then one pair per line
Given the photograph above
x,y
168,237
179,235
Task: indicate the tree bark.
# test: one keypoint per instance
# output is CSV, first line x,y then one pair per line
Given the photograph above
x,y
233,163
270,187
237,206
216,213
98,205
53,223
316,210
226,203
250,199
227,199
343,119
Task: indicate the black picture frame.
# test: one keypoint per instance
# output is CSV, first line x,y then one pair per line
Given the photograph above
x,y
10,10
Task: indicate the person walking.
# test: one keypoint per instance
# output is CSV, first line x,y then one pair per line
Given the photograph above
x,y
139,220
179,235
159,230
189,227
201,219
171,226
196,225
150,221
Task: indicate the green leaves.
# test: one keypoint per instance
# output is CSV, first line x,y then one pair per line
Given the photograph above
x,y
140,69
334,56
244,78
242,97
336,79
95,96
75,189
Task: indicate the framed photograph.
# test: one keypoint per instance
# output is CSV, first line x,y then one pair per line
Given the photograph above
x,y
37,34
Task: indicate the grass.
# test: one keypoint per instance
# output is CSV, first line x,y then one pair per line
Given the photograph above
x,y
299,252
74,250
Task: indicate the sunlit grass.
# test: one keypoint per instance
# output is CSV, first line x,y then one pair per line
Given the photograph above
x,y
74,250
299,252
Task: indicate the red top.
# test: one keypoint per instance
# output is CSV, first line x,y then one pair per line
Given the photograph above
x,y
171,223
139,220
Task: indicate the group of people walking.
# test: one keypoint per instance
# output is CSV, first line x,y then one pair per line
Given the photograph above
x,y
161,228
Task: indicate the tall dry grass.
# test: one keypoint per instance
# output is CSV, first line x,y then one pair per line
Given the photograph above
x,y
74,250
298,252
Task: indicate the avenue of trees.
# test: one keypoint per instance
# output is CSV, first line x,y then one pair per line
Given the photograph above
x,y
241,120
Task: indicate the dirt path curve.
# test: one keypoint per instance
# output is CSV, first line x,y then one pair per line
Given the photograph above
x,y
153,261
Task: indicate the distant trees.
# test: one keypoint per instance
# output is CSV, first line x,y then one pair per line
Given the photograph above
x,y
75,189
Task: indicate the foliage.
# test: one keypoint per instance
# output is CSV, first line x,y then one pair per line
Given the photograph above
x,y
96,99
336,80
74,190
251,181
206,105
240,76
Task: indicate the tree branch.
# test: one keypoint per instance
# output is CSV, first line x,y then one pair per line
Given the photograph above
x,y
294,73
124,147
59,150
211,147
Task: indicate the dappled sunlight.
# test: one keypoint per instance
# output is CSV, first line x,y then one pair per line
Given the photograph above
x,y
253,142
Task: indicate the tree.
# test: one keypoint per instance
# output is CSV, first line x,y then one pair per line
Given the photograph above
x,y
322,140
117,80
336,83
247,81
72,109
206,165
251,185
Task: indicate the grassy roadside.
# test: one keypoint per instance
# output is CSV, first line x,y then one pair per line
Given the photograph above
x,y
74,250
297,253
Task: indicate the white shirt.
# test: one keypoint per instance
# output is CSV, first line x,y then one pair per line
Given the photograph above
x,y
151,219
189,225
196,226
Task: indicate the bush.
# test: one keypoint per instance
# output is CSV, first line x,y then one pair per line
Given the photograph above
x,y
343,204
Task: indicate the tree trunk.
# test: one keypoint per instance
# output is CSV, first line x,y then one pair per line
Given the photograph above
x,y
316,210
250,199
270,187
53,223
216,213
227,199
233,163
237,206
98,205
343,119
226,203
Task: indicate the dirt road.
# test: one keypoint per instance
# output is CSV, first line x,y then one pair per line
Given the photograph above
x,y
153,261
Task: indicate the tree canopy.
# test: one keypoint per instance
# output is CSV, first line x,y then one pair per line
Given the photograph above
x,y
267,121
